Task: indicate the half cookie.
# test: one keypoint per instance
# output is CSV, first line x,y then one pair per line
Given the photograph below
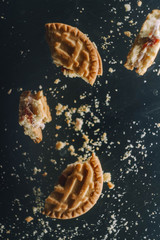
x,y
146,45
33,114
73,50
78,190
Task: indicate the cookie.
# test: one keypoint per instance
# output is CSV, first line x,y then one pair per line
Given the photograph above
x,y
73,50
34,112
146,45
78,190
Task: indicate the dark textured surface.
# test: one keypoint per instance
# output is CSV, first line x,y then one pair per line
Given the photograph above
x,y
132,210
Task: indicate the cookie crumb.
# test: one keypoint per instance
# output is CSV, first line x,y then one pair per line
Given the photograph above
x,y
58,127
139,3
36,170
71,149
60,109
57,81
158,73
29,219
44,174
127,7
110,185
78,124
127,33
107,177
9,92
60,145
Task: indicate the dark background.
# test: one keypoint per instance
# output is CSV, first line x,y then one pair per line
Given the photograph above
x,y
131,209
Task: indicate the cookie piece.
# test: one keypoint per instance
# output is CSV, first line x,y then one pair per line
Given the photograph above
x,y
34,112
146,45
78,190
73,50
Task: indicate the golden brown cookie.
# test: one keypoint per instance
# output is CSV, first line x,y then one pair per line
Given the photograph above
x,y
73,50
34,112
146,45
78,190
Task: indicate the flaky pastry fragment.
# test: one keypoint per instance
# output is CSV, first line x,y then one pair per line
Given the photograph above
x,y
34,112
146,45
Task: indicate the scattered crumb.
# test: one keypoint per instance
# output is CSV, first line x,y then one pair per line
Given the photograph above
x,y
29,219
127,7
60,145
71,149
44,174
78,124
106,177
127,33
108,99
104,138
58,127
57,81
110,185
53,161
158,124
111,70
86,138
158,73
60,109
36,170
139,3
9,92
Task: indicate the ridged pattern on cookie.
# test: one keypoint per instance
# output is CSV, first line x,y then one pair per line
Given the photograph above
x,y
79,188
74,51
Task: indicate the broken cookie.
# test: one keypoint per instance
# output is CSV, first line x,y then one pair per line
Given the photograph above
x,y
78,190
146,45
74,52
34,112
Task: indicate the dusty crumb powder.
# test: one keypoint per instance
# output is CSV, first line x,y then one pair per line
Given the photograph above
x,y
127,7
107,177
127,33
60,145
139,3
78,124
29,219
110,185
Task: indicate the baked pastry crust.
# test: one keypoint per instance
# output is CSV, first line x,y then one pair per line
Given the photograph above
x,y
146,45
73,50
34,112
78,190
